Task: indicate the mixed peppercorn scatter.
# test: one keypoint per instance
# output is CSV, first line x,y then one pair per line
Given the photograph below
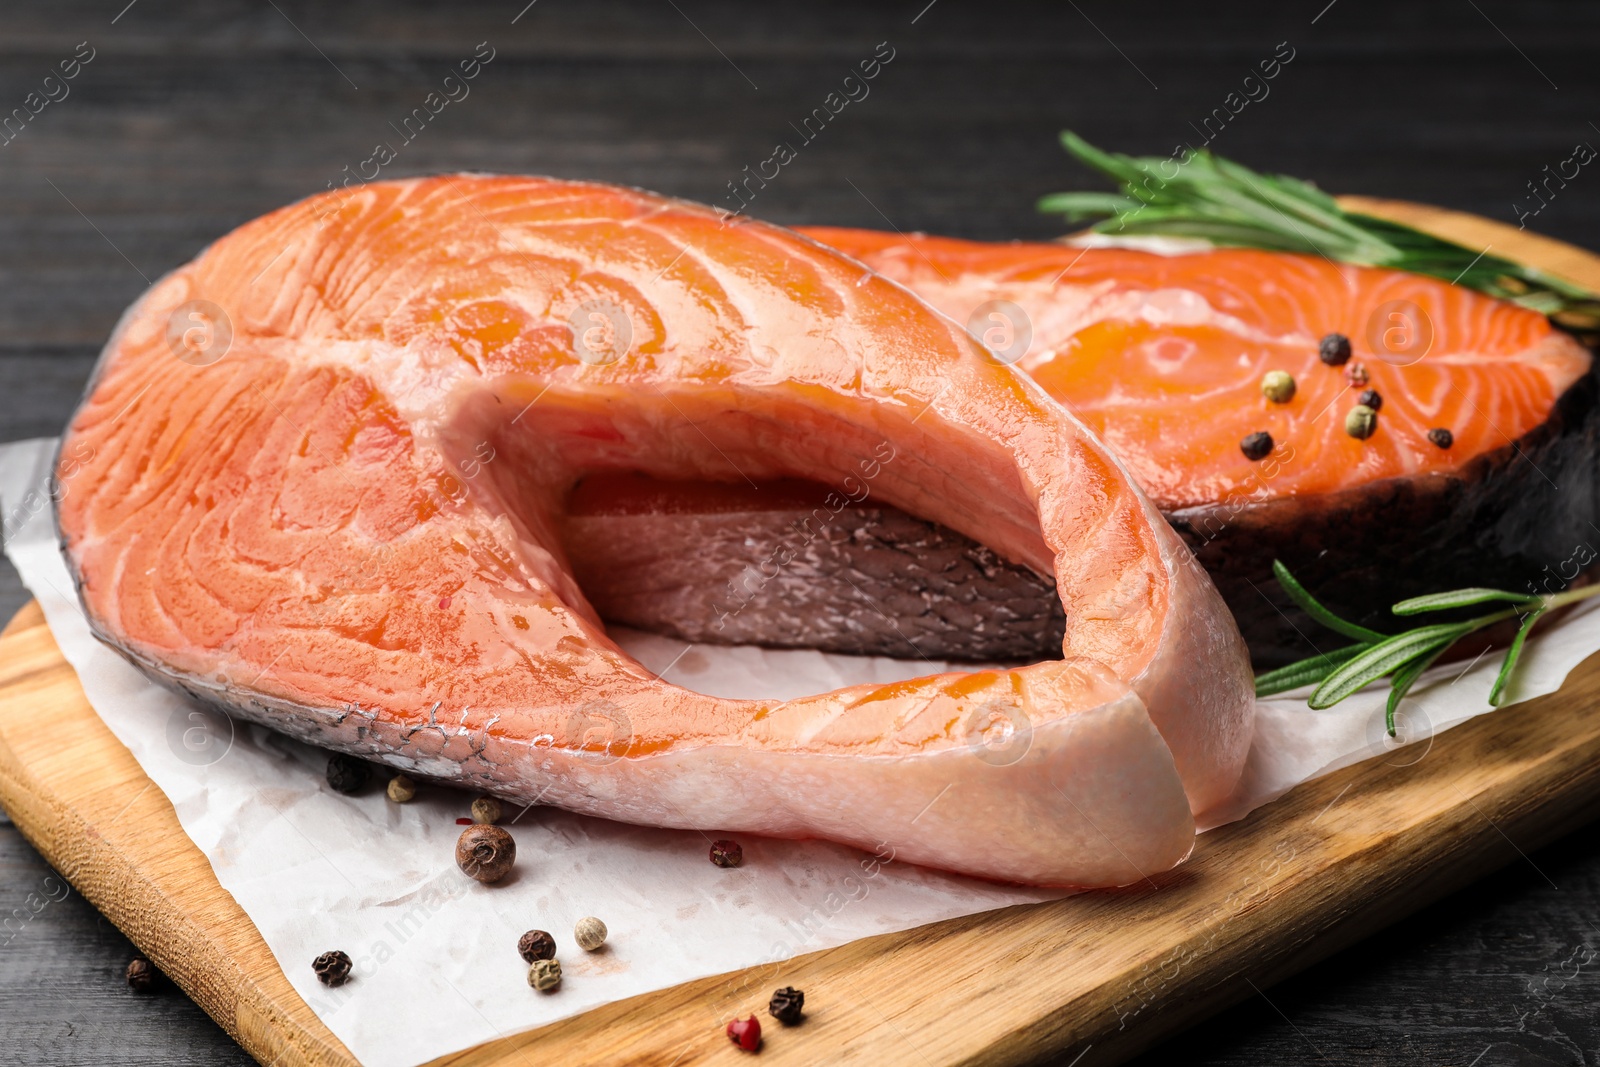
x,y
536,945
590,933
1256,446
746,1033
347,775
1361,423
141,975
485,853
1278,386
332,968
545,975
1334,350
726,853
486,810
787,1005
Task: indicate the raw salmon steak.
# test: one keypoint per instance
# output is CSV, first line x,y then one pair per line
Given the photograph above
x,y
1163,356
332,465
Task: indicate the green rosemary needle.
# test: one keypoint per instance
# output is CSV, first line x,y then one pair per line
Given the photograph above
x,y
1198,194
1402,657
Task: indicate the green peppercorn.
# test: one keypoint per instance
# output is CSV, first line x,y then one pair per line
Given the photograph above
x,y
545,975
1361,423
1278,386
486,810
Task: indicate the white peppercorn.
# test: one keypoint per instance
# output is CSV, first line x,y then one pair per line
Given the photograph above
x,y
590,933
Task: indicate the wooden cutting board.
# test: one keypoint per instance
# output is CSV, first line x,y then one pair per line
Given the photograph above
x,y
1087,980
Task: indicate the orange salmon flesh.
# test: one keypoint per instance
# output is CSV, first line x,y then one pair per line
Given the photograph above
x,y
334,462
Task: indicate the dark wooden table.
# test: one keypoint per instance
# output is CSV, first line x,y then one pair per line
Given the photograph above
x,y
192,117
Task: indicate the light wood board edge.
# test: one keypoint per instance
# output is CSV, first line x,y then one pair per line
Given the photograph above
x,y
81,798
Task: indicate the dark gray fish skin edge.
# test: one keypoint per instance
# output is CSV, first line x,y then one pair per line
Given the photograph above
x,y
1500,521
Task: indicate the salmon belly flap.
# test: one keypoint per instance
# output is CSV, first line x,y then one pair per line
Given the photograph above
x,y
377,469
1481,466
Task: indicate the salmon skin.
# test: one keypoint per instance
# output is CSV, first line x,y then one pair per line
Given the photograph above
x,y
334,455
797,565
1163,357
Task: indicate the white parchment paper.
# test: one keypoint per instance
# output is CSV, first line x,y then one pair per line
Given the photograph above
x,y
435,961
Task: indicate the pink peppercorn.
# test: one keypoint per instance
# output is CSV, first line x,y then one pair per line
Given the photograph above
x,y
746,1033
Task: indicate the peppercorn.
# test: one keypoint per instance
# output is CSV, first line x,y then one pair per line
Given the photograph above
x,y
545,975
1256,446
786,1005
590,933
1361,423
1334,350
1441,437
536,945
746,1033
726,853
486,810
1356,374
1278,386
346,774
485,852
401,789
1371,399
141,975
333,968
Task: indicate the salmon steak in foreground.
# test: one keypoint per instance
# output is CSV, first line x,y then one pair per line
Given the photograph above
x,y
331,466
1482,466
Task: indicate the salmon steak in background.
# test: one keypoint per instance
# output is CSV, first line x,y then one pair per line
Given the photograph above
x,y
1163,357
324,479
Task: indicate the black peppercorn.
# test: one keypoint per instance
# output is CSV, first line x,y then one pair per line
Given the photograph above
x,y
1334,350
536,945
333,968
485,852
141,975
1371,399
1257,446
347,775
787,1005
726,853
1441,437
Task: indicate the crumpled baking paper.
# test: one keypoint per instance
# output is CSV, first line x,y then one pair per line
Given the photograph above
x,y
436,967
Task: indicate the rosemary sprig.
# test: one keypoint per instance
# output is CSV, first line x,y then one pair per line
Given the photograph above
x,y
1206,196
1404,656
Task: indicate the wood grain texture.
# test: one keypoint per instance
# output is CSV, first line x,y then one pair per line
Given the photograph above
x,y
1095,978
80,797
